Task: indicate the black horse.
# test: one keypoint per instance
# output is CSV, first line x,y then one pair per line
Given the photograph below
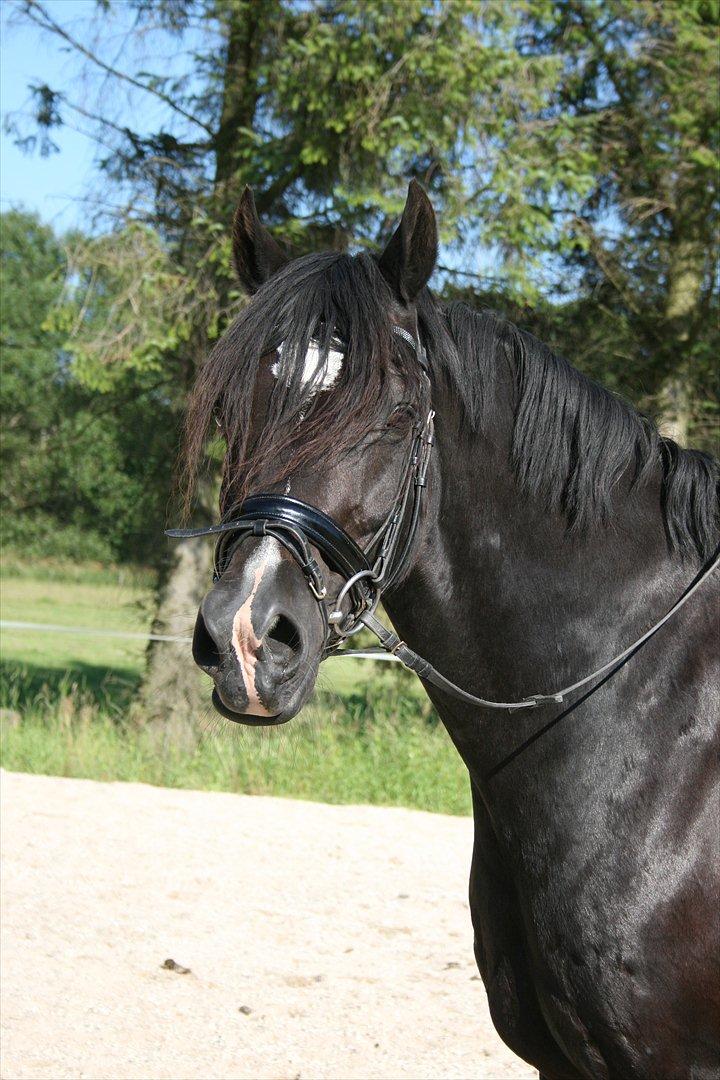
x,y
557,527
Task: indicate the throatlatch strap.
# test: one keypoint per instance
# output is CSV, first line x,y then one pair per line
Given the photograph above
x,y
425,671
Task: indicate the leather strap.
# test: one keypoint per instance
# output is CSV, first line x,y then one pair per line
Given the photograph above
x,y
297,525
425,671
414,344
339,550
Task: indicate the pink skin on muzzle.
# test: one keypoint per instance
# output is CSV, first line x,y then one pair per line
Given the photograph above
x,y
246,644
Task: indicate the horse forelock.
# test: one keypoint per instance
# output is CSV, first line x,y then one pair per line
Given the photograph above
x,y
326,322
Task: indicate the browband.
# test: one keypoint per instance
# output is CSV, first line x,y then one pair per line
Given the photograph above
x,y
415,344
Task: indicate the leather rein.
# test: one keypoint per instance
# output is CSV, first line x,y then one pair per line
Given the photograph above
x,y
299,527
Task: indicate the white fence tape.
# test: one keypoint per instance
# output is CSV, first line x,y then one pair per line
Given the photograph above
x,y
90,631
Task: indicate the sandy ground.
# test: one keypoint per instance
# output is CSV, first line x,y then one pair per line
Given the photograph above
x,y
322,941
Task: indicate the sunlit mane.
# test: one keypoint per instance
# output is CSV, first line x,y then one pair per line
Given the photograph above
x,y
572,440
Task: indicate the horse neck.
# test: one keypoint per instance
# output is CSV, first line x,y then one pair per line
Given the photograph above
x,y
504,601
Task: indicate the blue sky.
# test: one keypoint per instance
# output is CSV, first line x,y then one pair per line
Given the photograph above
x,y
56,186
52,186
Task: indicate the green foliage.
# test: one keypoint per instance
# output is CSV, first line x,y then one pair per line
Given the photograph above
x,y
123,310
372,93
642,77
84,474
31,268
575,140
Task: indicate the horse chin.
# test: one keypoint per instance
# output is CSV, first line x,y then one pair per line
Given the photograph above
x,y
249,720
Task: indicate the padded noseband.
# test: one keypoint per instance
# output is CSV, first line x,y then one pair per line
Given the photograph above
x,y
339,550
299,527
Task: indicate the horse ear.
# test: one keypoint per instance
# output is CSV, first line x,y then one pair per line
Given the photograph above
x,y
409,258
255,254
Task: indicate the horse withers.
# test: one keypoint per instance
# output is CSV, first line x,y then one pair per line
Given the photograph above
x,y
523,526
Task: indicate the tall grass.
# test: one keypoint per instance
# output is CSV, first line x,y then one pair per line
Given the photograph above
x,y
17,563
369,736
367,748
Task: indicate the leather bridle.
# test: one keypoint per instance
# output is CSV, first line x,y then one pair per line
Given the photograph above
x,y
300,527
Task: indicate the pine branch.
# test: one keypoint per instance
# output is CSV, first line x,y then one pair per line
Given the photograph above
x,y
40,16
124,130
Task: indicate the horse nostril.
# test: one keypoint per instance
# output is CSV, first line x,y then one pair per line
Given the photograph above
x,y
204,647
283,631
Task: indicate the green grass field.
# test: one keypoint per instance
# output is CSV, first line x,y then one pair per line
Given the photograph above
x,y
106,667
367,736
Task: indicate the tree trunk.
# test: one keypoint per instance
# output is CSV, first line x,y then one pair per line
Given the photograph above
x,y
240,85
683,295
172,700
675,407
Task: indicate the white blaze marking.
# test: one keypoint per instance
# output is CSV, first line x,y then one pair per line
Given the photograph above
x,y
314,371
244,639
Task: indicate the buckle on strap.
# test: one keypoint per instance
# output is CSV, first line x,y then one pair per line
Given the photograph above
x,y
319,591
546,699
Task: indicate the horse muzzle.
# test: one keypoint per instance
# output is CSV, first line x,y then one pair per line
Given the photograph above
x,y
259,637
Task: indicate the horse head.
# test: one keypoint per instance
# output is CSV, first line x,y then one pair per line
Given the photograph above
x,y
321,395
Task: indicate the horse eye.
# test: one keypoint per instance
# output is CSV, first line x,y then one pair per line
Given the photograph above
x,y
402,412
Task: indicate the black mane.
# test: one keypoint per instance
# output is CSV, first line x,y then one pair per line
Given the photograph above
x,y
572,440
